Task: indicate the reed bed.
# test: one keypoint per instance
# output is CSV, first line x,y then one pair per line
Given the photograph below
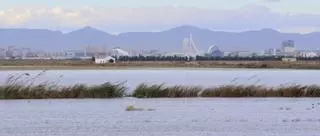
x,y
158,91
106,90
22,86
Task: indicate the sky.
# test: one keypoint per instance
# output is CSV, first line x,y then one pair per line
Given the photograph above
x,y
116,16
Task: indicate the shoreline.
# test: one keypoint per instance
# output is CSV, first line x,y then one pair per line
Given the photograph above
x,y
68,68
37,68
6,65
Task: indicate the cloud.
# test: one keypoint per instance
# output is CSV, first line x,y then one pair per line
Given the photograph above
x,y
148,19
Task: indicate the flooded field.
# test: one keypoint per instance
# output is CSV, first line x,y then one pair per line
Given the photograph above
x,y
170,117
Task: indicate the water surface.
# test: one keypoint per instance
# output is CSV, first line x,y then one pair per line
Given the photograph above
x,y
202,77
172,117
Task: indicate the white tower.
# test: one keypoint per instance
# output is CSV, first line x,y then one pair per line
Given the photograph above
x,y
189,48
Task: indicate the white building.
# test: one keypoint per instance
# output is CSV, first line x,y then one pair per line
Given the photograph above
x,y
105,60
307,54
119,52
270,52
288,49
241,54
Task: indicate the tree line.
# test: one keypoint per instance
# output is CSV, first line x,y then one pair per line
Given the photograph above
x,y
209,58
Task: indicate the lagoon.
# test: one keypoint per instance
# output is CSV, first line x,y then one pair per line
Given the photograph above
x,y
171,117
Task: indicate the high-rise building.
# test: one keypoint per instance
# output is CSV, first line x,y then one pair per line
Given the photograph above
x,y
270,52
2,53
288,48
24,52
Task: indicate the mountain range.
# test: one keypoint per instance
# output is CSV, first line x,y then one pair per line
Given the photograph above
x,y
168,40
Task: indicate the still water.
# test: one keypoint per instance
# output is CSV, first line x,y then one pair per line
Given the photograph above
x,y
202,77
172,117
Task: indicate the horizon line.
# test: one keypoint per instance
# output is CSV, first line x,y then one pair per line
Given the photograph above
x,y
163,30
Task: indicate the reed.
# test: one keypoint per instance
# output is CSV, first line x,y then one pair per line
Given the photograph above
x,y
156,91
182,91
106,90
153,91
22,86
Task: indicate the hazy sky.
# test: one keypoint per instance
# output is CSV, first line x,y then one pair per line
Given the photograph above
x,y
115,16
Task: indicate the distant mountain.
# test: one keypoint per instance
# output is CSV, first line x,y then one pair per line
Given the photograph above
x,y
168,40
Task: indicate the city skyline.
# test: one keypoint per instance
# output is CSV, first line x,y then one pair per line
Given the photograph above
x,y
116,16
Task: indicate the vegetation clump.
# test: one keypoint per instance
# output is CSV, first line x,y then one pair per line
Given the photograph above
x,y
133,108
160,91
22,86
154,91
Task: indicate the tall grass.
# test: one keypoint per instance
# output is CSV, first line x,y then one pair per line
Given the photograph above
x,y
106,90
153,91
156,91
22,86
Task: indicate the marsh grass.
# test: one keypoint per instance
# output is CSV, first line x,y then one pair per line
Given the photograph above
x,y
107,90
22,86
150,91
160,91
156,91
182,91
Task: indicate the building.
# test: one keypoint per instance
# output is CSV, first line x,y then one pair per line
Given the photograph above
x,y
17,53
74,53
270,52
2,53
119,52
178,54
9,51
152,52
24,52
307,54
289,59
105,60
288,48
214,51
241,54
